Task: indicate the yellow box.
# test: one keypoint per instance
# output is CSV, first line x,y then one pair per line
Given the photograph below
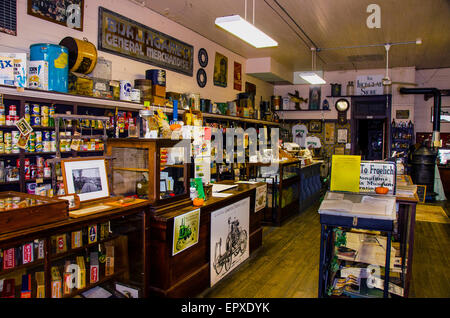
x,y
40,284
56,283
159,101
81,279
158,90
80,84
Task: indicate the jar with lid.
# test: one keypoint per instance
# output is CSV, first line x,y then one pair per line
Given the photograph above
x,y
350,88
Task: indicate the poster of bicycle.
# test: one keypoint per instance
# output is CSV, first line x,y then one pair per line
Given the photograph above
x,y
185,231
229,239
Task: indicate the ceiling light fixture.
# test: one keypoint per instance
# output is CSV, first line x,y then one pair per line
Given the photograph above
x,y
312,77
246,31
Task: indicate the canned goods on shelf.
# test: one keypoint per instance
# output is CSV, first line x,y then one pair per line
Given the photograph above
x,y
35,109
35,120
44,110
27,108
13,110
44,121
2,120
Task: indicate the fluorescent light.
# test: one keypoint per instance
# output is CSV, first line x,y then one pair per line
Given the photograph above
x,y
245,31
312,78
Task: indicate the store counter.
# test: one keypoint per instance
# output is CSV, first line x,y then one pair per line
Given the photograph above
x,y
209,252
310,185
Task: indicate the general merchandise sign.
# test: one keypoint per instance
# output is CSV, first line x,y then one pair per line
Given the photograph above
x,y
122,36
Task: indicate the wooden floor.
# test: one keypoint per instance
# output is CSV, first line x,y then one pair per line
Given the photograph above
x,y
286,266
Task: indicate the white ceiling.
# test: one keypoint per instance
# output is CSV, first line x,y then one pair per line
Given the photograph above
x,y
298,25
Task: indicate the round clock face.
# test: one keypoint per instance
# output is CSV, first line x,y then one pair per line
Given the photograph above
x,y
342,105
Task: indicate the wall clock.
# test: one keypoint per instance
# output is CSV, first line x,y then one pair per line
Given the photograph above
x,y
342,105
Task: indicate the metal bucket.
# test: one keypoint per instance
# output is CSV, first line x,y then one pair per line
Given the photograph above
x,y
82,54
58,68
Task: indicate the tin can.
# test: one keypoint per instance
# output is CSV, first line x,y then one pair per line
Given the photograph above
x,y
46,136
46,144
44,111
8,138
53,146
125,90
44,121
51,111
38,135
27,118
35,120
32,146
135,95
9,120
53,136
15,119
1,136
2,109
12,110
47,172
33,170
8,148
31,188
27,108
33,136
35,109
27,170
15,149
15,136
2,120
2,148
40,162
18,162
39,147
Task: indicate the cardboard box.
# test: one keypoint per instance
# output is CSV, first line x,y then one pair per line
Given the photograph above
x,y
159,101
6,70
81,279
94,267
40,284
158,90
38,75
80,84
109,267
56,283
20,68
102,88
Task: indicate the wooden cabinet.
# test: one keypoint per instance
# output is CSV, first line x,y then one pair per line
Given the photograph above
x,y
69,257
153,169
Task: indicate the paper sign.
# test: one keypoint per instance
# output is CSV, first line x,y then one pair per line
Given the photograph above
x,y
377,174
185,231
345,172
260,198
23,126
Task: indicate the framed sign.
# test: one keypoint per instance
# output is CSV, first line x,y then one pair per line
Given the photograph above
x,y
369,85
261,198
68,12
315,126
375,174
402,114
229,239
237,85
342,136
85,177
185,231
121,36
314,97
329,133
220,70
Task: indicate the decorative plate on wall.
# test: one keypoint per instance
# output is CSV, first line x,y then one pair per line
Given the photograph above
x,y
201,77
202,57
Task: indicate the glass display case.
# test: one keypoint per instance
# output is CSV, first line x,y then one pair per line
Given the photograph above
x,y
152,169
283,190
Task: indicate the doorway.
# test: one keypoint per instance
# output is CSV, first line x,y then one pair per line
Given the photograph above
x,y
371,126
369,139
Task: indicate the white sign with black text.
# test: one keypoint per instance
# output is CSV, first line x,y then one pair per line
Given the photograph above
x,y
376,174
369,85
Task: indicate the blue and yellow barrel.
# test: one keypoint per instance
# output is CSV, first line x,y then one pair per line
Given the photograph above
x,y
57,57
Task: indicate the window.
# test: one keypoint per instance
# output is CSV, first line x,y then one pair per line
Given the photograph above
x,y
8,16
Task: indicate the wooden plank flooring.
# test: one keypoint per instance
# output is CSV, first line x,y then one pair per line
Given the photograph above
x,y
286,266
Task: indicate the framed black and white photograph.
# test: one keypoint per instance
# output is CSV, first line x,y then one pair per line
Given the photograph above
x,y
342,136
85,177
64,12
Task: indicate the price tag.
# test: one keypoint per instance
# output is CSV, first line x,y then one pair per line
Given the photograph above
x,y
39,180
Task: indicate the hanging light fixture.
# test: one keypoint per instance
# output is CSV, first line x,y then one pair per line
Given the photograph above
x,y
246,31
312,77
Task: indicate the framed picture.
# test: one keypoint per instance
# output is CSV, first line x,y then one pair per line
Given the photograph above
x,y
329,133
314,97
73,198
220,70
339,150
315,126
68,12
127,290
402,114
86,177
342,136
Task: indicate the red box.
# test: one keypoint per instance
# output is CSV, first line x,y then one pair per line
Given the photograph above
x,y
9,259
27,253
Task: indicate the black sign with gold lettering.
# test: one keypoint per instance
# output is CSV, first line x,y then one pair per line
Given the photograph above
x,y
122,36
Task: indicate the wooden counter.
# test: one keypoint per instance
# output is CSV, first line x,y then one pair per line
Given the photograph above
x,y
187,273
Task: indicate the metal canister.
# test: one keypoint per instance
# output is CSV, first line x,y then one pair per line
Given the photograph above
x,y
35,109
47,172
82,54
8,148
15,119
53,136
145,86
8,138
46,144
12,110
38,135
1,136
44,111
27,108
46,136
51,114
2,147
44,121
39,147
35,120
27,170
9,120
2,120
2,109
40,161
158,77
53,146
31,146
136,95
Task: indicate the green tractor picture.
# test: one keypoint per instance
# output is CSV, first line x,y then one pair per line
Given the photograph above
x,y
184,234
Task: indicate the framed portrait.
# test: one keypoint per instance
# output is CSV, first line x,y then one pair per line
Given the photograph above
x,y
402,114
315,126
314,97
342,136
85,177
329,133
73,198
64,12
237,84
220,70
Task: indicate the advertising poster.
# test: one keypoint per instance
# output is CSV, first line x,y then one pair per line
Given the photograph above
x,y
237,76
220,70
260,198
229,239
185,231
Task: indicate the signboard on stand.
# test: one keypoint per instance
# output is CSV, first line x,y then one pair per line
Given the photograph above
x,y
376,174
229,238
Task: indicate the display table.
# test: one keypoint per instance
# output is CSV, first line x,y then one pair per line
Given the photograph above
x,y
124,228
187,273
330,219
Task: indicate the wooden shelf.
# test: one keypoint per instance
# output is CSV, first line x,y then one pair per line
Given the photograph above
x,y
131,169
38,262
10,182
303,110
350,96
